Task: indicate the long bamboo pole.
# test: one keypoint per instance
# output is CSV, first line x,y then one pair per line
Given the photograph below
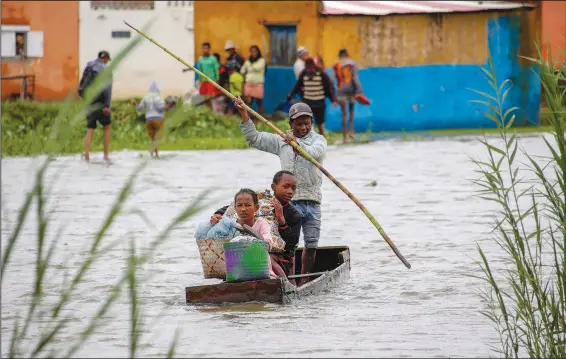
x,y
292,143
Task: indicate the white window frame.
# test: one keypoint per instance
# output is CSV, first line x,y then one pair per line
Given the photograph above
x,y
26,29
15,28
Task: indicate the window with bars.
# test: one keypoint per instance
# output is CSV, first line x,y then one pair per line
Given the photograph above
x,y
122,5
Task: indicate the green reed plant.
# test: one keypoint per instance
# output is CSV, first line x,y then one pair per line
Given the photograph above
x,y
21,343
526,300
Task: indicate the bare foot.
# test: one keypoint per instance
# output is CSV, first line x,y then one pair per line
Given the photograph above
x,y
352,136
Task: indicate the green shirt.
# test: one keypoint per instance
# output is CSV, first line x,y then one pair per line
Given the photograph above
x,y
209,65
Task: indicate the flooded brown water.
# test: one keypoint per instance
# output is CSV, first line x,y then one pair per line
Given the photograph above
x,y
423,199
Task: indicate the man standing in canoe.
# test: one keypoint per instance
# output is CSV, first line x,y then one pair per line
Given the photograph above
x,y
308,195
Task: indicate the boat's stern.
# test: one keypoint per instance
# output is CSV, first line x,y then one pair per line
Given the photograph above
x,y
269,290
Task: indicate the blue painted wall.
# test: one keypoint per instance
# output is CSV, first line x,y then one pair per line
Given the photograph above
x,y
432,97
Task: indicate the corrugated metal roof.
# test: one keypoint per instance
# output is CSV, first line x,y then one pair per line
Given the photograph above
x,y
414,7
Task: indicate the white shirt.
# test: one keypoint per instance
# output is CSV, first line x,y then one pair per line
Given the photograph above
x,y
298,67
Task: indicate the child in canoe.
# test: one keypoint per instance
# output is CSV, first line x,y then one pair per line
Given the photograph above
x,y
246,204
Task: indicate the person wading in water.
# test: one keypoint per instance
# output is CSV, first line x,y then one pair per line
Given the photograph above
x,y
154,106
309,178
99,110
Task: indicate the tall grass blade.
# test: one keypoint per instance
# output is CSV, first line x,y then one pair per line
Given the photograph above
x,y
526,298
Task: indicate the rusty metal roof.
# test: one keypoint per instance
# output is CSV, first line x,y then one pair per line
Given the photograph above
x,y
378,8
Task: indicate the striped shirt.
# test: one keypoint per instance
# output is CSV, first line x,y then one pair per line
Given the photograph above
x,y
314,86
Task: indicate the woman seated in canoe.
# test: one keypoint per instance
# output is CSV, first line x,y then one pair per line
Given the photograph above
x,y
246,205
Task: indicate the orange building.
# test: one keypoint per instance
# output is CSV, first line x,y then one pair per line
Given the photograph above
x,y
554,30
40,39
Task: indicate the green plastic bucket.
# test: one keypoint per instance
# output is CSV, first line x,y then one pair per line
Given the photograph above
x,y
246,261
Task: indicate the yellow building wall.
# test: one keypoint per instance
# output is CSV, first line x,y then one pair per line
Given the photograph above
x,y
423,39
395,40
244,22
531,31
337,32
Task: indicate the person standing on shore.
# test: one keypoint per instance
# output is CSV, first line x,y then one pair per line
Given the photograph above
x,y
254,73
308,194
219,100
233,57
210,67
236,80
99,109
349,86
299,65
314,85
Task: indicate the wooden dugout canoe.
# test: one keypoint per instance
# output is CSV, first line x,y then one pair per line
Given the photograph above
x,y
332,267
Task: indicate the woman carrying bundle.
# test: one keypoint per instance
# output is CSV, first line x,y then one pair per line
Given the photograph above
x,y
246,204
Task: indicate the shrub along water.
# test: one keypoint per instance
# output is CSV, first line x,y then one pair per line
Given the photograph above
x,y
527,299
26,128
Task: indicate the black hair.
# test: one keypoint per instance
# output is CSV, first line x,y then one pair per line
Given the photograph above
x,y
103,54
247,191
343,52
217,55
280,174
206,44
259,55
